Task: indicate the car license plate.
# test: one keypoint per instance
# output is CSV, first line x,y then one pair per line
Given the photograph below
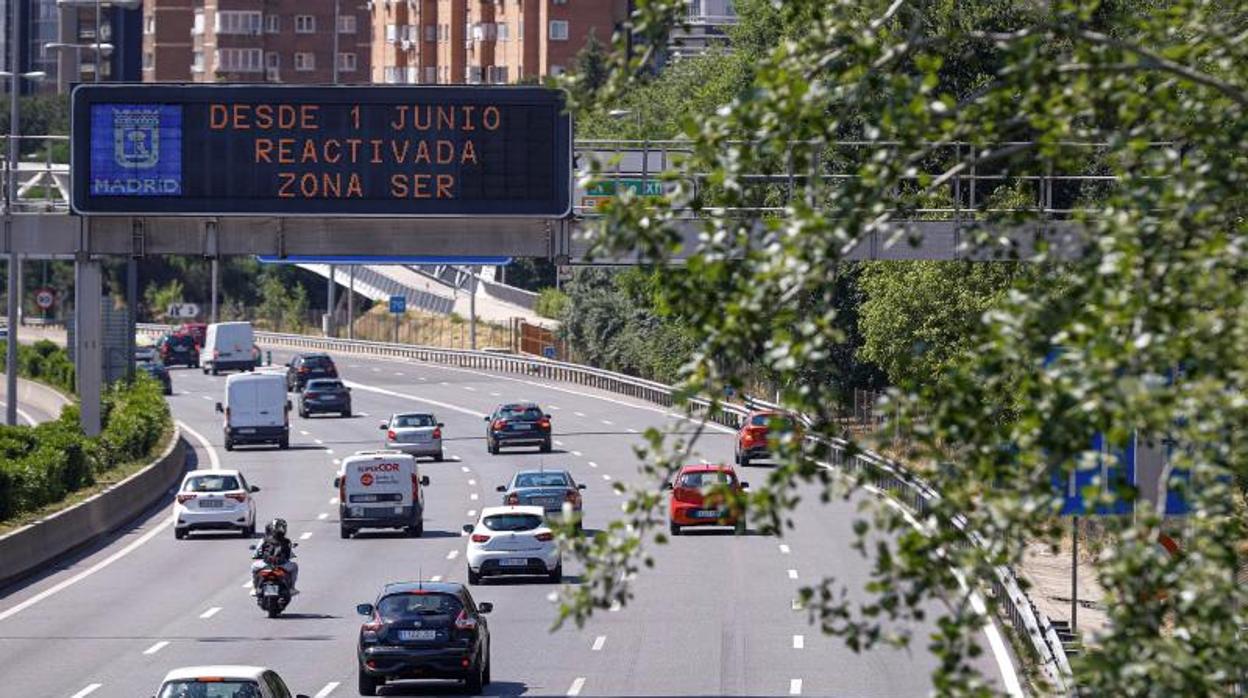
x,y
521,427
708,514
211,504
548,501
410,635
246,431
270,590
513,562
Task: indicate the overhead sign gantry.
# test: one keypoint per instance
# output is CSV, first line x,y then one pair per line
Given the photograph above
x,y
272,150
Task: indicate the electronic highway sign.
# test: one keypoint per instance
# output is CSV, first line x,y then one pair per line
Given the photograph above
x,y
275,150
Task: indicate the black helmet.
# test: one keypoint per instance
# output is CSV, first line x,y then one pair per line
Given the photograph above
x,y
276,527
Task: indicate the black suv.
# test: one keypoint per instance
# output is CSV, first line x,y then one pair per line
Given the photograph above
x,y
179,350
325,395
517,424
424,630
305,367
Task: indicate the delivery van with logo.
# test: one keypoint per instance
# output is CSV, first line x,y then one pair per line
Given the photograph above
x,y
228,346
380,489
256,410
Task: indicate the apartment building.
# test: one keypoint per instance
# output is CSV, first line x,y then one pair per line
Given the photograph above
x,y
282,41
705,26
60,40
485,41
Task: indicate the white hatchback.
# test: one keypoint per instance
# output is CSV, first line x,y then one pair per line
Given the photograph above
x,y
512,540
214,500
224,682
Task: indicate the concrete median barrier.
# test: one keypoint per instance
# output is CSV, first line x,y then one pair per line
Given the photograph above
x,y
43,400
34,546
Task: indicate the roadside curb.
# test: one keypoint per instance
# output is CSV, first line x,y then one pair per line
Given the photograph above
x,y
40,396
33,546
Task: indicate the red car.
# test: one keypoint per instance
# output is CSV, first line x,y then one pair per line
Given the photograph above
x,y
752,437
692,502
198,330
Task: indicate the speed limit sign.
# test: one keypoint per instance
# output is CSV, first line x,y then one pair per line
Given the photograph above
x,y
45,298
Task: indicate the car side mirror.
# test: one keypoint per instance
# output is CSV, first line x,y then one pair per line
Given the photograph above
x,y
364,609
501,488
485,607
254,489
220,408
580,486
424,480
486,418
288,406
383,426
548,417
667,485
468,528
337,481
301,695
745,485
251,547
441,425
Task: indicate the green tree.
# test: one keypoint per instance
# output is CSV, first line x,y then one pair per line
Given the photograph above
x,y
1159,283
590,69
159,298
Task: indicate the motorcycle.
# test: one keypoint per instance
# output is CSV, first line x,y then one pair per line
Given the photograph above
x,y
272,585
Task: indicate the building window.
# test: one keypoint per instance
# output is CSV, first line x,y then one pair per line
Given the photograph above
x,y
305,61
238,22
197,26
413,76
149,24
272,59
558,2
273,24
392,75
305,24
240,60
410,32
431,74
197,61
504,32
346,24
556,70
431,33
392,33
346,62
149,61
558,30
472,75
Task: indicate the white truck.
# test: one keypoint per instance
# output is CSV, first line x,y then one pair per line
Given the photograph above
x,y
228,345
256,410
380,489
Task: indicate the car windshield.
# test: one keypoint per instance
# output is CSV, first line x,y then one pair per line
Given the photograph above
x,y
414,420
211,483
417,604
762,420
317,362
541,480
324,385
706,478
512,522
215,688
181,340
527,412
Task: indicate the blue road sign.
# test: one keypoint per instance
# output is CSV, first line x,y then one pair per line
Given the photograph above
x,y
398,304
1101,490
549,352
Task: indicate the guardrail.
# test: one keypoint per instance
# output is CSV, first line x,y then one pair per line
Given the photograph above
x,y
892,478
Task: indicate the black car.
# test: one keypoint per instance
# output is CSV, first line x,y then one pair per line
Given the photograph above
x,y
325,395
305,367
518,424
157,370
424,630
178,350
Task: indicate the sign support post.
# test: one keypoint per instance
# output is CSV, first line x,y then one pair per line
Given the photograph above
x,y
215,272
88,357
472,313
351,302
1074,575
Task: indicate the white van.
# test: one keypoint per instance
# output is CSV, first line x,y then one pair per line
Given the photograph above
x,y
228,345
256,410
380,489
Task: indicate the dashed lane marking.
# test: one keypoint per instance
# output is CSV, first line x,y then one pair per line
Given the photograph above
x,y
472,513
593,464
607,422
472,482
606,477
578,454
436,578
795,687
210,612
555,407
473,496
304,433
362,414
632,430
799,642
207,397
398,373
464,468
577,685
470,389
452,555
784,549
496,394
156,647
333,501
322,516
305,535
92,688
318,442
599,642
579,414
405,396
558,442
792,574
329,688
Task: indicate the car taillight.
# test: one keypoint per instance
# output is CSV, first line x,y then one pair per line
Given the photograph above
x,y
415,489
373,625
311,395
342,488
303,369
216,353
463,622
480,538
513,499
184,498
437,433
544,424
237,496
570,496
499,424
545,537
391,435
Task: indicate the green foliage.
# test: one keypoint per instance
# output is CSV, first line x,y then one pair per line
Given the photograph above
x,y
159,298
530,273
552,303
41,465
590,70
282,305
1160,282
42,115
45,362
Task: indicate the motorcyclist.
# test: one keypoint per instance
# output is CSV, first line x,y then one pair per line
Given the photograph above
x,y
278,546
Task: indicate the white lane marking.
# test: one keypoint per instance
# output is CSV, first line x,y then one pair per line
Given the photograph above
x,y
555,407
599,642
558,442
577,685
21,413
247,584
318,442
87,691
784,549
213,459
329,451
607,422
792,574
436,578
496,394
615,607
322,516
376,370
799,642
578,454
398,373
797,605
795,687
464,468
593,464
579,414
446,384
452,555
606,477
210,612
305,535
362,414
405,396
354,366
329,688
156,647
470,389
337,461
333,501
632,430
473,496
304,433
472,482
207,397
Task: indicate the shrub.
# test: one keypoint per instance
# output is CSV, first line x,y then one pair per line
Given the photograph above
x,y
551,303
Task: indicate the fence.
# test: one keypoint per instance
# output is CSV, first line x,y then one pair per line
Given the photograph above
x,y
1033,629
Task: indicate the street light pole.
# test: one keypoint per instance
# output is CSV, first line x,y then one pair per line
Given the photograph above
x,y
337,10
10,354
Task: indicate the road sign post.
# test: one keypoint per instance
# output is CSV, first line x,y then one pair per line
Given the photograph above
x,y
398,307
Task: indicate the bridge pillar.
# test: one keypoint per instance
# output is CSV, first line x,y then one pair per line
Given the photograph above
x,y
88,340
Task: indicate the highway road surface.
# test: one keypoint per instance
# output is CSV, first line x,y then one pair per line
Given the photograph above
x,y
716,616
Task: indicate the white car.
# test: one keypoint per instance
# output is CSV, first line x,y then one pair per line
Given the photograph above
x,y
224,682
512,540
415,433
214,500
